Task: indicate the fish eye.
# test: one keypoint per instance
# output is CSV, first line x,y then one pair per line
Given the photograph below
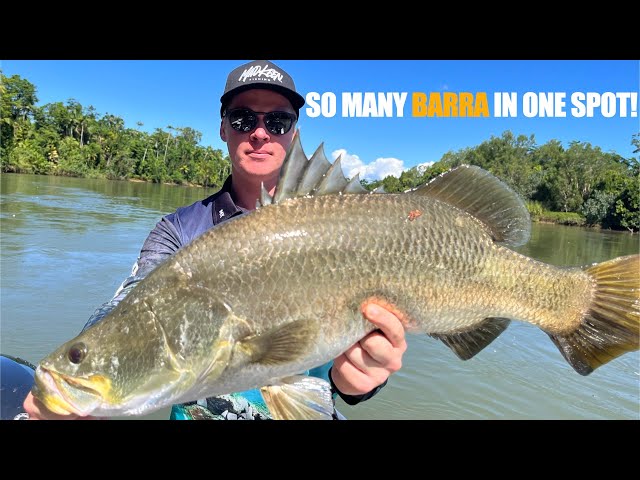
x,y
77,352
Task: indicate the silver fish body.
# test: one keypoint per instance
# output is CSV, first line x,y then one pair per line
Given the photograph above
x,y
280,290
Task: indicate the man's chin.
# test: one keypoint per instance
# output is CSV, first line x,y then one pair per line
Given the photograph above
x,y
261,168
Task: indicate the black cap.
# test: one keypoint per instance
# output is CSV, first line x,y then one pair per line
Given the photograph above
x,y
260,74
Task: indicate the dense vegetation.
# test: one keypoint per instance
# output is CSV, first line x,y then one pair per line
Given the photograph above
x,y
69,139
579,185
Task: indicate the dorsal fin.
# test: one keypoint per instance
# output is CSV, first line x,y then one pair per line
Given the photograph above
x,y
293,167
334,180
317,168
486,198
265,198
300,176
354,186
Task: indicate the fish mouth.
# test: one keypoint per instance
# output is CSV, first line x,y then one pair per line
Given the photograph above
x,y
66,395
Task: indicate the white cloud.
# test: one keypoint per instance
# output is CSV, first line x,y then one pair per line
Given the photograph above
x,y
376,170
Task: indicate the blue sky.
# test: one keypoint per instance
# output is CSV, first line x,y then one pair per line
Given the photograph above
x,y
185,93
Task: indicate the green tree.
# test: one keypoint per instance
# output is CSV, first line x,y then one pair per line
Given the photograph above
x,y
71,161
627,204
26,157
599,208
17,104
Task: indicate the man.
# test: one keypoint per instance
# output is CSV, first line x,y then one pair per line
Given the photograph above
x,y
259,109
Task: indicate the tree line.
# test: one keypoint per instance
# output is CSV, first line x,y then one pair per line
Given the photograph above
x,y
70,139
579,185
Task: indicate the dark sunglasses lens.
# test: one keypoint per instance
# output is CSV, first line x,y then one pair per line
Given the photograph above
x,y
278,123
245,120
242,120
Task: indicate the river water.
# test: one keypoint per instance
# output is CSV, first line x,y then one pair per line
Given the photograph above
x,y
67,244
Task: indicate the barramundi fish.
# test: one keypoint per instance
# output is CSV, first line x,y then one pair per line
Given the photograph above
x,y
264,296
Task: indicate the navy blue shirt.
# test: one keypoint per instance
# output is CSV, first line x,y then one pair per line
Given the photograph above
x,y
180,228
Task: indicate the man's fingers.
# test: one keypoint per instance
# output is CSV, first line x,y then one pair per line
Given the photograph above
x,y
360,358
381,351
386,321
351,380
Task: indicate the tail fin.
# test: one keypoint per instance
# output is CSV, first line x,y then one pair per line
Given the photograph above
x,y
611,326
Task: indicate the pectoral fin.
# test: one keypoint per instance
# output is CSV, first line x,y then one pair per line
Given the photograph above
x,y
469,343
299,398
281,345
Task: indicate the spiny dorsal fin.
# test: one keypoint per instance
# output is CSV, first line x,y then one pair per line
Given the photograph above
x,y
334,180
467,344
317,168
354,186
265,198
293,167
486,198
300,176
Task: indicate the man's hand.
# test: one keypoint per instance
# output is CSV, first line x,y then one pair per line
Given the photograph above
x,y
371,361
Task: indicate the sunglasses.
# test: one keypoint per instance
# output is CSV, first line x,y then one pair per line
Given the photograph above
x,y
245,120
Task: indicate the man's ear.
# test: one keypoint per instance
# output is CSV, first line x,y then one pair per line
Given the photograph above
x,y
223,134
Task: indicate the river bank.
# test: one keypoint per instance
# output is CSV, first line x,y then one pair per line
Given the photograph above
x,y
537,212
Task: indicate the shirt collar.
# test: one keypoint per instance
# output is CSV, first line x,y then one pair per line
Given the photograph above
x,y
224,206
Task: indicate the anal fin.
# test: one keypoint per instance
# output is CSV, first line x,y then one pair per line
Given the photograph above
x,y
468,344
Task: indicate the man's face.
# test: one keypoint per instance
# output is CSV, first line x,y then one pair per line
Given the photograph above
x,y
257,153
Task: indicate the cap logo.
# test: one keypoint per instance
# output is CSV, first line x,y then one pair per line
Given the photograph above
x,y
256,72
